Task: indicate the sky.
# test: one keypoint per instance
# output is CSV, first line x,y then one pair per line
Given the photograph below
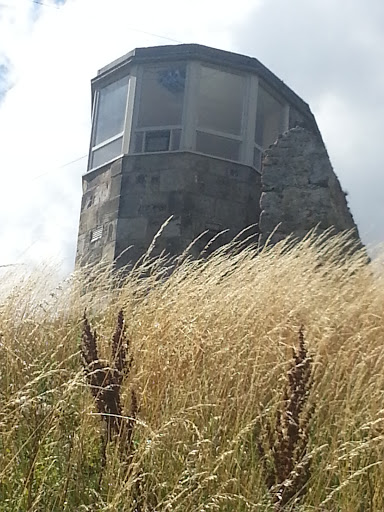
x,y
329,52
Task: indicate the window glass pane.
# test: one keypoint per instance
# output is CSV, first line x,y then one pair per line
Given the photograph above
x,y
162,96
111,111
220,103
176,136
107,152
218,146
157,141
269,119
138,147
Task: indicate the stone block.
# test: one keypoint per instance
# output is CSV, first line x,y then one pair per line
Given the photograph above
x,y
230,214
133,228
287,174
116,167
108,252
271,201
178,203
268,222
108,210
110,231
172,180
88,220
129,205
320,172
115,188
173,228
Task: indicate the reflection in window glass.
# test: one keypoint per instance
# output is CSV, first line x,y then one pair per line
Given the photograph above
x,y
220,102
108,152
162,96
217,146
111,111
269,119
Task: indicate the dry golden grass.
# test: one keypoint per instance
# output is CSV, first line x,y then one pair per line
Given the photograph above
x,y
212,346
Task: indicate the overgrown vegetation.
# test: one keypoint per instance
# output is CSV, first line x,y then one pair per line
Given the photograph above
x,y
240,382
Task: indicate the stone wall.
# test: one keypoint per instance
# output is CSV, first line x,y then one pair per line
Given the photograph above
x,y
300,189
126,203
200,192
99,211
131,199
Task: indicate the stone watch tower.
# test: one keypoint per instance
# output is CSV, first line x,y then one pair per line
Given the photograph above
x,y
211,137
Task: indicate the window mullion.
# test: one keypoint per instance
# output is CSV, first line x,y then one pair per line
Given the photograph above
x,y
135,108
129,111
250,120
93,130
188,137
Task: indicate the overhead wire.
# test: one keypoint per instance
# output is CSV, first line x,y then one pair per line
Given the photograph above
x,y
133,29
59,167
54,5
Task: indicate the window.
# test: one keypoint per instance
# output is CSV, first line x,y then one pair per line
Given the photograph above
x,y
220,103
156,140
217,146
160,109
220,113
269,119
162,97
109,121
107,152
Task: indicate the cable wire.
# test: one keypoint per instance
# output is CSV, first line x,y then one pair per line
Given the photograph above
x,y
59,167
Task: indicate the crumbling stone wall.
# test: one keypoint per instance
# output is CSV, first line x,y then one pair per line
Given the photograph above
x,y
300,189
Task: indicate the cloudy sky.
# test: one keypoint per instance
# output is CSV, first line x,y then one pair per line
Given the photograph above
x,y
330,52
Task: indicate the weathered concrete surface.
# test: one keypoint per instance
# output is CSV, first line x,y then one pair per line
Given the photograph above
x,y
133,197
300,189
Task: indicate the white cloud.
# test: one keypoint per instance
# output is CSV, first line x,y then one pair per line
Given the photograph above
x,y
329,54
45,118
332,54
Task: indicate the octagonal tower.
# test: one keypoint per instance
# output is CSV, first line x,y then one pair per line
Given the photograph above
x,y
179,130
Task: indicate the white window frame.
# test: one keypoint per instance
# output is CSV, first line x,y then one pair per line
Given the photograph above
x,y
189,119
188,134
158,128
238,138
127,125
150,129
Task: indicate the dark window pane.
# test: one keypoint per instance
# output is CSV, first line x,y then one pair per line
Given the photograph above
x,y
162,96
220,102
269,119
217,146
157,141
176,135
138,147
108,152
111,111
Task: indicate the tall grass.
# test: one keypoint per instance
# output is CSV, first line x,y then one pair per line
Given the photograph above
x,y
211,345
